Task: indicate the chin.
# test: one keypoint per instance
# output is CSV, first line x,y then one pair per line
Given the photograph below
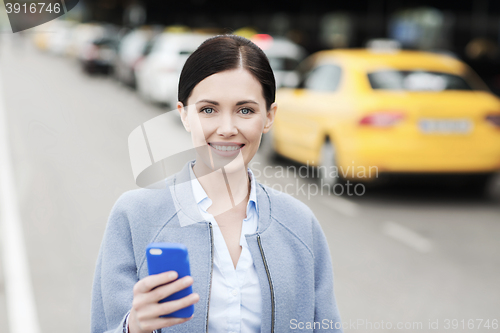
x,y
234,165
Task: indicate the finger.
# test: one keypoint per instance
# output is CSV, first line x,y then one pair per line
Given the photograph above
x,y
172,306
152,281
147,313
169,289
153,311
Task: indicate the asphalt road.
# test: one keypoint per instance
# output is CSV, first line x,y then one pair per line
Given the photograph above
x,y
403,255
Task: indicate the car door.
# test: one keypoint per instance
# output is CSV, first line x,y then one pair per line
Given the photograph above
x,y
304,113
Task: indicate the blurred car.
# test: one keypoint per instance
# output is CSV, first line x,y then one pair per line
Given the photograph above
x,y
131,49
60,37
284,57
158,73
359,113
83,34
98,53
43,33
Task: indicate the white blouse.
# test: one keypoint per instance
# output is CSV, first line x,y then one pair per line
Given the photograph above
x,y
235,299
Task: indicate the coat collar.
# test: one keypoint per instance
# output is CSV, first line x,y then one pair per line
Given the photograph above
x,y
186,206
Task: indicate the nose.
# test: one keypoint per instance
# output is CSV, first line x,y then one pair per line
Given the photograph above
x,y
227,126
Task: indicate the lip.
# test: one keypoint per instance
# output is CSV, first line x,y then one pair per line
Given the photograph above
x,y
226,153
222,143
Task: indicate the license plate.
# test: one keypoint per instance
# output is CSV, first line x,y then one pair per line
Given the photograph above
x,y
445,126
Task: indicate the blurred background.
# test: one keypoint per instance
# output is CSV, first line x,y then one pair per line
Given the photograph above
x,y
399,97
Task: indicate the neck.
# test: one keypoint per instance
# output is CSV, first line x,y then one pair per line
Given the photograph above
x,y
227,190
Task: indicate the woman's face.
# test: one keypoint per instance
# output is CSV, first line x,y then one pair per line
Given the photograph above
x,y
226,115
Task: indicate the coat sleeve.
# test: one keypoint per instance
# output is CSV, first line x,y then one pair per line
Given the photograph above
x,y
115,274
326,311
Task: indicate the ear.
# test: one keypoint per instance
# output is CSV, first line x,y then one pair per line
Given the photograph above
x,y
184,118
270,114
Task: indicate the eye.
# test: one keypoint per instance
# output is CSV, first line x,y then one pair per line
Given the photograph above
x,y
207,110
246,111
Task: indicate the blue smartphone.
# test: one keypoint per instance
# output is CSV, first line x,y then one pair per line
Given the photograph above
x,y
163,257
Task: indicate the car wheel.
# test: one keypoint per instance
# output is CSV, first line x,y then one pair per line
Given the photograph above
x,y
266,148
486,185
328,172
492,188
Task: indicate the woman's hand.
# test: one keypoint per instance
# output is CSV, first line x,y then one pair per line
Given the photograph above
x,y
146,311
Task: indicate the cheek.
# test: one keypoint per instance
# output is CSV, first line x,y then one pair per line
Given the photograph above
x,y
254,131
200,128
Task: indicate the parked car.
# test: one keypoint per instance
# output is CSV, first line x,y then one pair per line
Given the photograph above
x,y
54,36
83,34
359,114
158,73
284,57
131,49
97,54
62,32
41,37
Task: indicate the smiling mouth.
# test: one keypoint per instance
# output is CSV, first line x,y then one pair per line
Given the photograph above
x,y
226,148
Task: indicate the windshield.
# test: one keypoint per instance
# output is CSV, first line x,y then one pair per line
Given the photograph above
x,y
176,44
418,80
283,64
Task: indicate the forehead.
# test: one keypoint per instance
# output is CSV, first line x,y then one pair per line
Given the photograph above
x,y
229,86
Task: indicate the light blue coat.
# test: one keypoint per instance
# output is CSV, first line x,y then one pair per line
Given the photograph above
x,y
289,250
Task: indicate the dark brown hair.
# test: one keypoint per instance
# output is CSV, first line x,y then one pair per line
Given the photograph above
x,y
226,52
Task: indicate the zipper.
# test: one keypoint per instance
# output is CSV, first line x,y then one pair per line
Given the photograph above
x,y
211,268
270,282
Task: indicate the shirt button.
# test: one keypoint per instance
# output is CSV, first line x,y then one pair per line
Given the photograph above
x,y
234,292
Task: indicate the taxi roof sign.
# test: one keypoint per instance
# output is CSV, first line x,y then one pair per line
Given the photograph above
x,y
383,45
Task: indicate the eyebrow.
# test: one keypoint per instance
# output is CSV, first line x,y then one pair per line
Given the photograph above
x,y
217,103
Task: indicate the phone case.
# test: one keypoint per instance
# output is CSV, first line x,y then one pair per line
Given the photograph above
x,y
163,257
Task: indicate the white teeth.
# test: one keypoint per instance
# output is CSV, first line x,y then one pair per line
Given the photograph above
x,y
226,148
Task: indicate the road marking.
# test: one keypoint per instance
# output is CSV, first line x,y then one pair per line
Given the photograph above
x,y
407,236
341,205
20,299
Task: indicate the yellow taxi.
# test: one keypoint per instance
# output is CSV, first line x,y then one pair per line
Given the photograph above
x,y
359,113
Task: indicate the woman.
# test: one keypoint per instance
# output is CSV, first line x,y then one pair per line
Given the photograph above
x,y
259,259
